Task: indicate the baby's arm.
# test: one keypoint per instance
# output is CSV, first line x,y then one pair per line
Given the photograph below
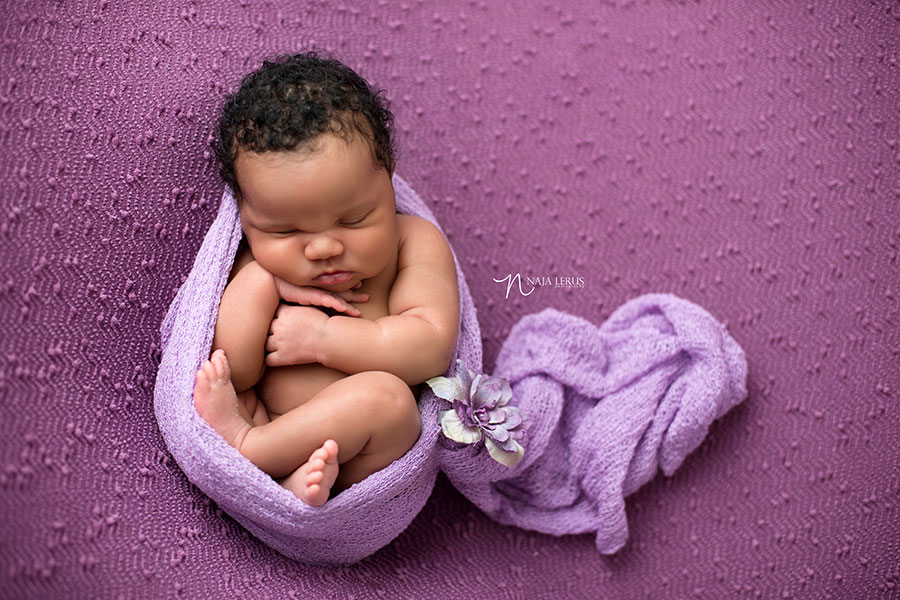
x,y
245,312
416,341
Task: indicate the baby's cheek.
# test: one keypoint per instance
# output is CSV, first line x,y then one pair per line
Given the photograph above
x,y
274,258
370,254
289,261
383,247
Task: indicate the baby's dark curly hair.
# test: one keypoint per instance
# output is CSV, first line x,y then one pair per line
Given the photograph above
x,y
290,100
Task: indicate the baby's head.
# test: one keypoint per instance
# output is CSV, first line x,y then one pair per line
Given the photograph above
x,y
305,145
290,101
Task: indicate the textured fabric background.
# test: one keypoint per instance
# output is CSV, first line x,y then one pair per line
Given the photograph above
x,y
742,155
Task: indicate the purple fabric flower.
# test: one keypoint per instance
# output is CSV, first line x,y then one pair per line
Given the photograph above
x,y
481,409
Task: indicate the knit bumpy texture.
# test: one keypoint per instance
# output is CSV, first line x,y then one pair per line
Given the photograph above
x,y
348,527
606,406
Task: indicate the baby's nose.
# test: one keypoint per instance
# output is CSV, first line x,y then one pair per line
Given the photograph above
x,y
323,246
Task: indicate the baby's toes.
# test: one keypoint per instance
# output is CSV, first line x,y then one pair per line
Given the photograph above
x,y
314,477
329,450
201,383
209,371
220,362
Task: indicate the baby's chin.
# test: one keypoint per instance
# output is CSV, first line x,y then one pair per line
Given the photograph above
x,y
337,287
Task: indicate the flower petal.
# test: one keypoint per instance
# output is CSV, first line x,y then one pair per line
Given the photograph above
x,y
509,444
464,377
465,413
444,387
499,415
474,399
510,459
498,434
513,417
454,429
505,392
488,393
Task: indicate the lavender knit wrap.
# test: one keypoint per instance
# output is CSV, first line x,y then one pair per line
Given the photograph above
x,y
350,526
607,407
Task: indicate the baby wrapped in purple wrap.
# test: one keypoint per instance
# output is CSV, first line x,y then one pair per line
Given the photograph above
x,y
604,406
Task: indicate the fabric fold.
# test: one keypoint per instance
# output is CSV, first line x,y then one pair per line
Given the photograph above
x,y
609,406
349,527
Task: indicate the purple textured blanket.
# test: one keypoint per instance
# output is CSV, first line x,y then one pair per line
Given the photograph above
x,y
742,155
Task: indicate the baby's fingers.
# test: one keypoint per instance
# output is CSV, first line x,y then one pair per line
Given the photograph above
x,y
273,359
327,299
338,303
332,301
270,343
353,296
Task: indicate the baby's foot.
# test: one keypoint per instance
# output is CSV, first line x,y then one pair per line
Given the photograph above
x,y
312,482
216,400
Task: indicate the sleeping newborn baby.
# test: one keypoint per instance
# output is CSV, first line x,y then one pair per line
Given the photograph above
x,y
337,307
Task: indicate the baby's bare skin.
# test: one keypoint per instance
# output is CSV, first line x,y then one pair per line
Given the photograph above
x,y
283,388
293,388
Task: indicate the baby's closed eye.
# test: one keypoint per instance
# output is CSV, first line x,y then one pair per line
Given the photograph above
x,y
356,220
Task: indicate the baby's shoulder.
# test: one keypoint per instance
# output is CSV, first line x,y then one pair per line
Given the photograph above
x,y
416,231
420,240
412,222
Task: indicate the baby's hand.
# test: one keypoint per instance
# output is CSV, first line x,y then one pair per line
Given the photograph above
x,y
308,295
294,335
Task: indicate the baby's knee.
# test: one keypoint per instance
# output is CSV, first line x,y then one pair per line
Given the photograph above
x,y
393,401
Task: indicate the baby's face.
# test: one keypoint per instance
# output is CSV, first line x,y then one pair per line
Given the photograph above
x,y
324,218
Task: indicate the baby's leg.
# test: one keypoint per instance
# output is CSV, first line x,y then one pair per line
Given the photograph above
x,y
313,481
245,313
372,416
362,422
233,415
285,388
218,403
